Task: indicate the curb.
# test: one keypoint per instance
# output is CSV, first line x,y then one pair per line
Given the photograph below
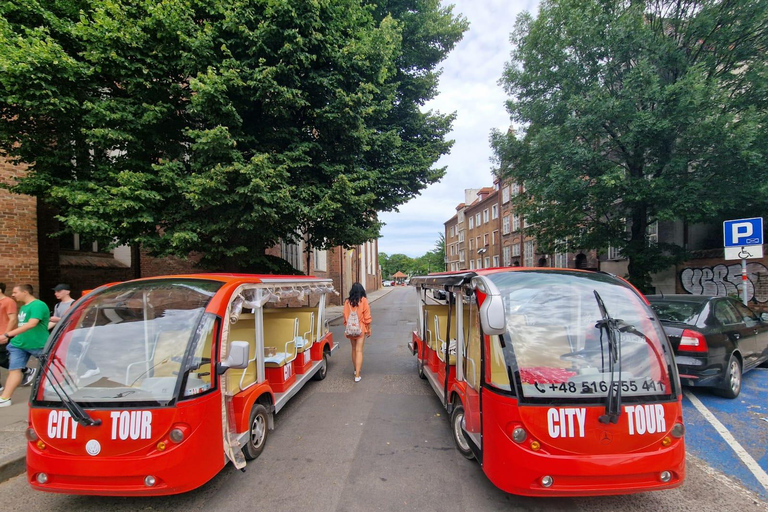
x,y
15,463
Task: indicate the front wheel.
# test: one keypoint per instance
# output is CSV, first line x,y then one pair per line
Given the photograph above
x,y
257,435
732,379
323,371
457,426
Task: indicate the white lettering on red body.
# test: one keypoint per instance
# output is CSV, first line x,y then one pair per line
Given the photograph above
x,y
561,421
131,425
61,425
645,419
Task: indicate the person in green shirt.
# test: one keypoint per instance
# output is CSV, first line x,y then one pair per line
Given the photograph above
x,y
27,339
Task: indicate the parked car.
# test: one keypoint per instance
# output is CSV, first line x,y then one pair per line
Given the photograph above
x,y
386,283
716,339
439,294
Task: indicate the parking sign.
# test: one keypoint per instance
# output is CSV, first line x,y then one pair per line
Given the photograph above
x,y
743,238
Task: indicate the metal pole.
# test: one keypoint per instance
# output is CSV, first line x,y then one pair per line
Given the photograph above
x,y
744,280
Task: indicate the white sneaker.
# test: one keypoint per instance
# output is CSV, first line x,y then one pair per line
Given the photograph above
x,y
358,379
5,402
90,373
29,376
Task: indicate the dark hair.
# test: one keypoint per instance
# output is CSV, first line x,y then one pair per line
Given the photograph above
x,y
2,287
356,293
26,288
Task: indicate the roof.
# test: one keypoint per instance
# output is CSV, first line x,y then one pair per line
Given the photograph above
x,y
399,274
235,278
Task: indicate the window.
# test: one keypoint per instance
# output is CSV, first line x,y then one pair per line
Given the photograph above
x,y
471,264
505,252
505,225
471,223
505,195
487,262
515,190
461,256
76,242
321,260
496,261
477,219
515,222
525,223
470,244
451,231
477,242
528,256
516,250
653,233
561,260
486,217
461,236
453,250
495,237
292,254
495,212
485,239
479,263
461,217
614,253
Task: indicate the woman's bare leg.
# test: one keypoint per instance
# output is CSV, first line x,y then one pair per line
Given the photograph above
x,y
358,354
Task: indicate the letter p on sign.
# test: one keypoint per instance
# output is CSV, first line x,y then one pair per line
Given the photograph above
x,y
741,231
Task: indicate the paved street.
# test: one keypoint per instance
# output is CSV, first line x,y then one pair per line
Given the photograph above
x,y
381,444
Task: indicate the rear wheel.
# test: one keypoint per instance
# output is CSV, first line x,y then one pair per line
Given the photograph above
x,y
457,426
732,380
257,435
323,371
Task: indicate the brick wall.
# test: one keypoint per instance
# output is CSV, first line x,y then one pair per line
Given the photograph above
x,y
18,233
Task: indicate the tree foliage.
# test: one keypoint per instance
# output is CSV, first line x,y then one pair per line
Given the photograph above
x,y
223,126
634,112
431,261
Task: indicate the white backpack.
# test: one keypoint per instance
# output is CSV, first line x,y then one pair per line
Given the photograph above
x,y
353,329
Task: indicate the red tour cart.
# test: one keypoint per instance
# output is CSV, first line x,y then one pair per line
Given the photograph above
x,y
150,387
559,382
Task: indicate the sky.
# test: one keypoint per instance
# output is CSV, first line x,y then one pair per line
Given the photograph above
x,y
468,86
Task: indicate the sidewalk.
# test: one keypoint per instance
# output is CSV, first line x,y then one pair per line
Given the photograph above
x,y
13,419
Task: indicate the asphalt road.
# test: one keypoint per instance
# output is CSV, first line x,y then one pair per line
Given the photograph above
x,y
381,444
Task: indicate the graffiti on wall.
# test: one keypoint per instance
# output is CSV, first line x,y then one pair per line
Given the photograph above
x,y
725,280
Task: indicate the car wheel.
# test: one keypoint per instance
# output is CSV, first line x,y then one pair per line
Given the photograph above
x,y
257,434
732,379
457,426
323,371
420,366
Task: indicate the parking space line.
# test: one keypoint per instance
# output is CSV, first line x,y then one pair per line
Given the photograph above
x,y
721,429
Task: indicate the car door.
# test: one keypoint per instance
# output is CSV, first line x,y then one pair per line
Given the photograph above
x,y
754,333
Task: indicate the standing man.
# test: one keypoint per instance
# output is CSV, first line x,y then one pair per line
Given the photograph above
x,y
28,339
61,291
8,312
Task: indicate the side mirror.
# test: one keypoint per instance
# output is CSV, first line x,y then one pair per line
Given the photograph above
x,y
492,316
237,358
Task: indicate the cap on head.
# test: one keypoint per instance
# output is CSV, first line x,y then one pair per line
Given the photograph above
x,y
61,286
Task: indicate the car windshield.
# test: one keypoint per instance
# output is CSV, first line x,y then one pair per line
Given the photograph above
x,y
127,343
560,338
676,311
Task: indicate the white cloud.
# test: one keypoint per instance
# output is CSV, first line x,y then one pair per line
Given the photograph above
x,y
469,87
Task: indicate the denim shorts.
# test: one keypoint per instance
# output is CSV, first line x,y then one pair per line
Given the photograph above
x,y
19,356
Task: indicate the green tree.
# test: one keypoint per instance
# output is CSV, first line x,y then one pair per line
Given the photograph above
x,y
632,112
223,126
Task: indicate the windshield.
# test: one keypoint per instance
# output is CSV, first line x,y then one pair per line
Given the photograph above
x,y
677,311
128,343
560,346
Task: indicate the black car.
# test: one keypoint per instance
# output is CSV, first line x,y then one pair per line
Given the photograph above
x,y
715,339
439,294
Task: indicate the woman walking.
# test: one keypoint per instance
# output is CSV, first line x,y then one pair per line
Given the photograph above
x,y
357,319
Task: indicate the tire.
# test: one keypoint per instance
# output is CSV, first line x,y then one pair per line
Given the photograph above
x,y
323,371
732,379
457,422
420,366
258,430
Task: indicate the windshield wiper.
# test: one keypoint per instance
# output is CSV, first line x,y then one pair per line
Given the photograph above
x,y
611,327
75,411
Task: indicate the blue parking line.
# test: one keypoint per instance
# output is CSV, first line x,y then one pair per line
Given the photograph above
x,y
746,419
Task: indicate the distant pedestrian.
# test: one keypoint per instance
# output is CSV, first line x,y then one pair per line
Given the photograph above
x,y
8,312
62,293
28,339
357,319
